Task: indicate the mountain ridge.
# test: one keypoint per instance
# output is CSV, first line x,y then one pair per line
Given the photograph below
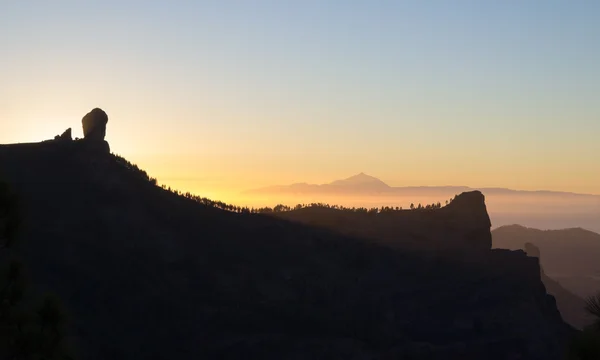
x,y
185,280
304,187
405,228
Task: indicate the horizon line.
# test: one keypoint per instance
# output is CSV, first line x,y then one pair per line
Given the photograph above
x,y
431,186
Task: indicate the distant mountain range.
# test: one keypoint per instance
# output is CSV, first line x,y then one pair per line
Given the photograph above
x,y
363,184
540,209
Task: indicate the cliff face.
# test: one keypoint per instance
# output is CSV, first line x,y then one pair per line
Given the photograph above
x,y
569,256
569,251
145,273
571,306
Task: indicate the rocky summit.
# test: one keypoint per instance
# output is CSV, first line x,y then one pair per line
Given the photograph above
x,y
146,273
94,130
94,125
65,136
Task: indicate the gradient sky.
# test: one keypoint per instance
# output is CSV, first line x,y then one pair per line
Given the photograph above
x,y
220,96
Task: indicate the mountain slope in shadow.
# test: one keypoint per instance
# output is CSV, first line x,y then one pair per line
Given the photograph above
x,y
408,230
148,274
570,256
571,306
461,227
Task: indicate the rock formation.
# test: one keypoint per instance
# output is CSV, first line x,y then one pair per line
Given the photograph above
x,y
462,227
94,131
94,125
532,250
65,136
571,306
468,212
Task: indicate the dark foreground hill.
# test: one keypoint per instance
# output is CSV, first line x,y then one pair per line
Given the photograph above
x,y
148,274
437,231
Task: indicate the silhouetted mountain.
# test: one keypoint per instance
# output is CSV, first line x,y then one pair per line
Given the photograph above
x,y
424,229
408,230
361,182
570,256
357,184
149,274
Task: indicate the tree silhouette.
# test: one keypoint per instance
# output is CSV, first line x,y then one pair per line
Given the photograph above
x,y
585,345
279,207
593,308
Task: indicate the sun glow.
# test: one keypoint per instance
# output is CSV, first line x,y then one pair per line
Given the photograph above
x,y
46,128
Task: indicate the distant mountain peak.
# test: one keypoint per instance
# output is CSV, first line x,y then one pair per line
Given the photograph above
x,y
362,176
360,179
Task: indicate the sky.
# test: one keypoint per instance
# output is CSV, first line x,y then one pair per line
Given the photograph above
x,y
216,97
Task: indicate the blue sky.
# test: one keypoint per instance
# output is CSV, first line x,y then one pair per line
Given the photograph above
x,y
309,90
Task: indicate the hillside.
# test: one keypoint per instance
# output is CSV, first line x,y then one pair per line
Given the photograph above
x,y
569,256
463,226
148,274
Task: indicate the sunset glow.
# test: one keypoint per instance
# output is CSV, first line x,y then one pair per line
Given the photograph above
x,y
308,179
414,94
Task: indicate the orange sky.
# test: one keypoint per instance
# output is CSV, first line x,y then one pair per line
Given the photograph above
x,y
217,99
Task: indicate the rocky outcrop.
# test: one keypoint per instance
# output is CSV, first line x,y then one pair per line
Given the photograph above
x,y
569,256
532,250
571,306
94,131
94,125
468,212
460,228
65,136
